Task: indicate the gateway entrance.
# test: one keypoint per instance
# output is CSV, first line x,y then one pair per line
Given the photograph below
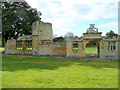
x,y
92,49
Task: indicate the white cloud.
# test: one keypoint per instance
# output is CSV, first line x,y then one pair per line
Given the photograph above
x,y
64,13
110,25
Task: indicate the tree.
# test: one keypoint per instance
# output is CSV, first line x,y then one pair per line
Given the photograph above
x,y
111,34
69,36
91,44
17,18
58,39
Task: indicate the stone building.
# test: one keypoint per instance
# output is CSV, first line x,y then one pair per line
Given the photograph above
x,y
41,43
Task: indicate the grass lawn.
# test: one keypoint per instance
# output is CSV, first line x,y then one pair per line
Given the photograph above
x,y
29,72
90,50
2,49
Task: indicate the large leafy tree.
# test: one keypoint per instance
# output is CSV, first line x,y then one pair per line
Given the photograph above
x,y
69,36
17,18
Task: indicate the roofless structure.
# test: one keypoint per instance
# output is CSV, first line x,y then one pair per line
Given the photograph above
x,y
41,43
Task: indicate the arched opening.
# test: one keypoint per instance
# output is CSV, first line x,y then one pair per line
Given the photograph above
x,y
92,49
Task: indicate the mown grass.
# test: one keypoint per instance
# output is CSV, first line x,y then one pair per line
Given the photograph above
x,y
2,48
90,50
29,72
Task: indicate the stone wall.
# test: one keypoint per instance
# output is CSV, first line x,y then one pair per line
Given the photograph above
x,y
41,42
35,49
10,47
53,49
25,52
110,54
61,48
75,53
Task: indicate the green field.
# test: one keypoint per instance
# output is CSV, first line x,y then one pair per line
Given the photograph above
x,y
90,50
2,49
34,72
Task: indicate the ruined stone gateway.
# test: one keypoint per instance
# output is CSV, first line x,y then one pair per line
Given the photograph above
x,y
41,43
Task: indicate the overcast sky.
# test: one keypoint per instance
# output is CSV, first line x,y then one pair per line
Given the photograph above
x,y
76,15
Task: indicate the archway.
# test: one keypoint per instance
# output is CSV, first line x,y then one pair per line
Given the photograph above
x,y
92,49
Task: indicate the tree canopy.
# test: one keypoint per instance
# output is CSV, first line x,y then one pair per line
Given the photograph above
x,y
17,18
69,36
58,39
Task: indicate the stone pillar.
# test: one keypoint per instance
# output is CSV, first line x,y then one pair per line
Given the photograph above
x,y
35,48
69,51
35,27
104,49
23,46
85,42
81,50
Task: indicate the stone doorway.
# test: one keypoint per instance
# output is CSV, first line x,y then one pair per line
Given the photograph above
x,y
92,49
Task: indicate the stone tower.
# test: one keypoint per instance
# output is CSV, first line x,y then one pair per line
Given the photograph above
x,y
43,31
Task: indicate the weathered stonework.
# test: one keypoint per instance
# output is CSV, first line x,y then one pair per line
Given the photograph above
x,y
35,48
105,53
78,53
41,43
10,46
56,49
43,31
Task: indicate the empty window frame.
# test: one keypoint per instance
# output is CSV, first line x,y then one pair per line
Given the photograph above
x,y
19,44
111,45
75,46
29,44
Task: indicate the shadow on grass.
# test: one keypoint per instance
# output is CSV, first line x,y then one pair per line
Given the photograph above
x,y
12,63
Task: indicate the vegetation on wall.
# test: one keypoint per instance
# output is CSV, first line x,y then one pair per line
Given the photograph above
x,y
111,34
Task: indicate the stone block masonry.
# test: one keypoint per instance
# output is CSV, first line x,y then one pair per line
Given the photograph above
x,y
52,49
41,43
